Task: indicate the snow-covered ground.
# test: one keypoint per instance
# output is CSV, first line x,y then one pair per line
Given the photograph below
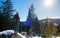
x,y
7,32
34,37
21,35
28,36
57,37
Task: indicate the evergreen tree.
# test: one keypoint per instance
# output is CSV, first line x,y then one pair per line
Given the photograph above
x,y
58,29
36,25
32,20
46,24
6,9
51,29
30,17
21,26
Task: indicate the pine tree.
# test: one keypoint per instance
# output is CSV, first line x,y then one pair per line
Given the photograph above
x,y
51,29
36,25
32,20
6,9
58,29
31,15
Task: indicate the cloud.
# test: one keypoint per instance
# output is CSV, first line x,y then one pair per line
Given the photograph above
x,y
55,17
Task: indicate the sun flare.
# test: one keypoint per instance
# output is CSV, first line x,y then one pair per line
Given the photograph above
x,y
48,3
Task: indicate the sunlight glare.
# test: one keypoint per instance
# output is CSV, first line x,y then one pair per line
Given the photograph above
x,y
48,3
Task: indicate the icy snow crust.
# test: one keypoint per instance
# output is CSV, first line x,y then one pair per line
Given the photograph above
x,y
9,32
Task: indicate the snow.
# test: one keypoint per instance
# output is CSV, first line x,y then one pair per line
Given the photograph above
x,y
55,24
28,36
34,37
57,37
55,17
7,32
21,35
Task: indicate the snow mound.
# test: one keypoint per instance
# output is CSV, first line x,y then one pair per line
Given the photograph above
x,y
7,32
21,35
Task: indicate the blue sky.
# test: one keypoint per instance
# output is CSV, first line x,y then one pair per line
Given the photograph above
x,y
43,8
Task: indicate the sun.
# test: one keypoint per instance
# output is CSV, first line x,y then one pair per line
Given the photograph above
x,y
48,3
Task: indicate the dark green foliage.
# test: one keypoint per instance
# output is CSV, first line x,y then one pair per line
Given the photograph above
x,y
33,20
7,7
5,15
20,27
4,23
58,29
36,25
50,29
